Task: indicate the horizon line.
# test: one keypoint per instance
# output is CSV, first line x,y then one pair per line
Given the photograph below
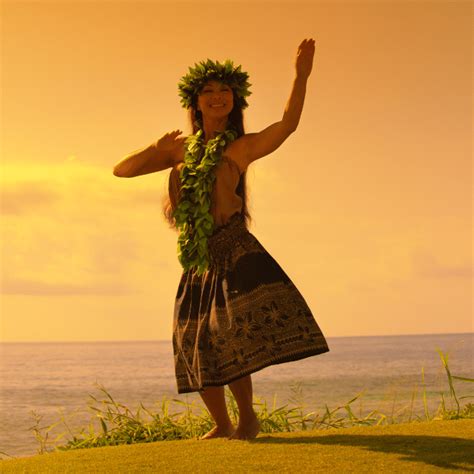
x,y
170,340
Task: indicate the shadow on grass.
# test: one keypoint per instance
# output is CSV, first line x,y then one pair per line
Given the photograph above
x,y
442,451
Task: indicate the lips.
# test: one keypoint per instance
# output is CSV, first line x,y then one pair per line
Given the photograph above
x,y
217,105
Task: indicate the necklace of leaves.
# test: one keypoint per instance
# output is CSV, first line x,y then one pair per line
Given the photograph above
x,y
192,214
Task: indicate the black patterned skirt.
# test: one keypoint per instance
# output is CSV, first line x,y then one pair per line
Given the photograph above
x,y
243,314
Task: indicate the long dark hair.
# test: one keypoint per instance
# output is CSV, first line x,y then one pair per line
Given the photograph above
x,y
236,120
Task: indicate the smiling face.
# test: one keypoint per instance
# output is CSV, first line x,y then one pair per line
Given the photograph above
x,y
215,99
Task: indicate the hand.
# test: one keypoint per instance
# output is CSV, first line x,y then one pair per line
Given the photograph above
x,y
304,58
170,142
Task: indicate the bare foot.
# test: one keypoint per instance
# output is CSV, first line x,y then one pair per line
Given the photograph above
x,y
218,432
248,431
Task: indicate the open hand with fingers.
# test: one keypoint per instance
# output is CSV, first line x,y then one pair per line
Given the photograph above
x,y
170,142
304,58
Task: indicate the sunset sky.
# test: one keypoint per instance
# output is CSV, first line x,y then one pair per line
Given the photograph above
x,y
367,206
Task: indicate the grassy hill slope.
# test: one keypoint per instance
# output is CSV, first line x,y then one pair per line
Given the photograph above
x,y
436,446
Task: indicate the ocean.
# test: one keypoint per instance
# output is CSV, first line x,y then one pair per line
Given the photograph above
x,y
55,379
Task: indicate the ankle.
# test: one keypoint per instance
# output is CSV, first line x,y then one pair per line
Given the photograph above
x,y
225,425
247,418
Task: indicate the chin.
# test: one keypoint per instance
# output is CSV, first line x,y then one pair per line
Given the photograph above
x,y
221,115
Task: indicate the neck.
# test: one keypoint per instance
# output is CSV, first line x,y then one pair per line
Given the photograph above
x,y
213,125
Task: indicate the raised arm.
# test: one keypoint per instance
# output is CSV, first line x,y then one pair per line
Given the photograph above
x,y
269,139
158,156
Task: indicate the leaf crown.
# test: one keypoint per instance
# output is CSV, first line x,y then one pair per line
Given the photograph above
x,y
191,84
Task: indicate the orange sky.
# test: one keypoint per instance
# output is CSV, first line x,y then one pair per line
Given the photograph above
x,y
367,206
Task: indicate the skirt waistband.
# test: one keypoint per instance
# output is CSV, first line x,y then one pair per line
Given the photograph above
x,y
226,236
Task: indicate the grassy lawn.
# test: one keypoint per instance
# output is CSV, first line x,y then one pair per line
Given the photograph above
x,y
416,447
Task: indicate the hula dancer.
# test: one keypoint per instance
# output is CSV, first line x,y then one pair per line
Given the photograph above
x,y
236,311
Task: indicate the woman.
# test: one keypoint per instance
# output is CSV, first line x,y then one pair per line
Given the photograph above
x,y
236,310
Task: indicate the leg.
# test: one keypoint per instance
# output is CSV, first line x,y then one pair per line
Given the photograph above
x,y
248,423
215,401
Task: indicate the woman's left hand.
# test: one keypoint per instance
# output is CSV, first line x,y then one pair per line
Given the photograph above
x,y
304,58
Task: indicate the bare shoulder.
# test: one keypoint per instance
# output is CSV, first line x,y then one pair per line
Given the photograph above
x,y
237,151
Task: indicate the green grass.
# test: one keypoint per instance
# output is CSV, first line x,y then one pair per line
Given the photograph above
x,y
118,425
418,447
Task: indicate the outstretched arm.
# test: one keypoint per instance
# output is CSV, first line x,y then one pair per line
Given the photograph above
x,y
260,144
158,156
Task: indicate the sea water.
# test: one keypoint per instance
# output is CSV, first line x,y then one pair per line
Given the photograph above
x,y
59,379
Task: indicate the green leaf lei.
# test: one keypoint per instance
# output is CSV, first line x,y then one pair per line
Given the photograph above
x,y
192,214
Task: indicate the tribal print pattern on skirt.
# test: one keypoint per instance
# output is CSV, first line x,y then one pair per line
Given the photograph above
x,y
243,314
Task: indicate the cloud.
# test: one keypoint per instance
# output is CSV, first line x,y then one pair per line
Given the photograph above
x,y
25,187
75,228
27,197
18,286
426,265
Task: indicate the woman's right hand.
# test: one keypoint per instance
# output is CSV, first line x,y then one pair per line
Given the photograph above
x,y
170,142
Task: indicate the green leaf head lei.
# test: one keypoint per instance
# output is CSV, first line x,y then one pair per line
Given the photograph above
x,y
192,83
192,214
